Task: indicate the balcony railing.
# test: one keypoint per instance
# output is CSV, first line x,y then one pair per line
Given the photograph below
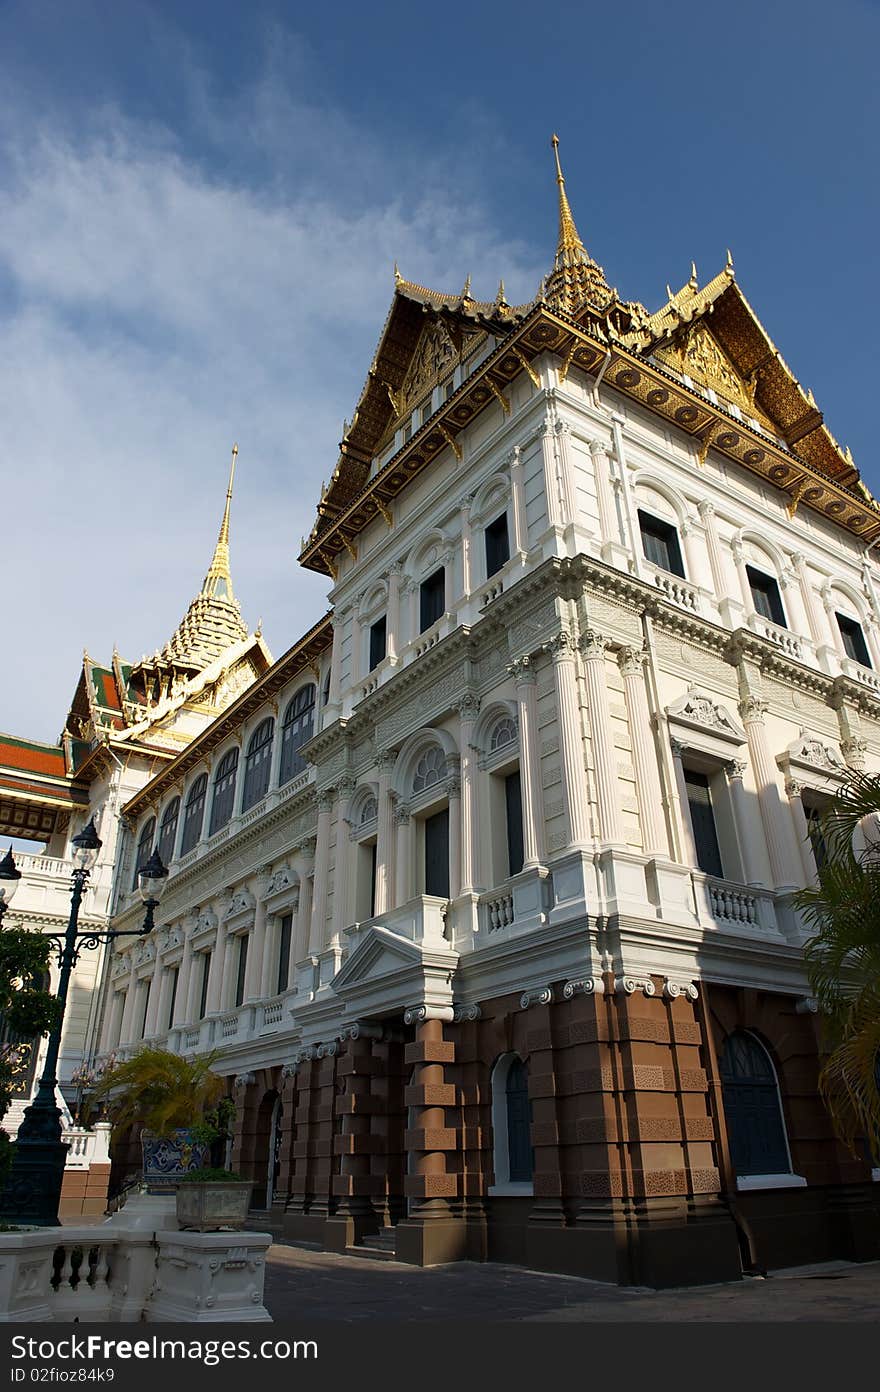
x,y
676,590
724,904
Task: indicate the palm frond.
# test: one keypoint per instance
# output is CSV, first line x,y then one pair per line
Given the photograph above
x,y
159,1090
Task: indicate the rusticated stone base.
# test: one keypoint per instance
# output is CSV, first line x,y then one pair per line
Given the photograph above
x,y
432,1241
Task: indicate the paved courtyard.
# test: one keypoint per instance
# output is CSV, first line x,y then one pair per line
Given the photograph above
x,y
311,1285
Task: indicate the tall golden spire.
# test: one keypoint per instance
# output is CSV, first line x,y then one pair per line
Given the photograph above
x,y
218,580
576,280
570,248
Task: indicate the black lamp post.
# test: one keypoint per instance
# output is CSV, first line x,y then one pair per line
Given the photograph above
x,y
33,1189
10,876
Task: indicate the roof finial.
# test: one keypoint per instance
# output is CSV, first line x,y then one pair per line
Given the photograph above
x,y
569,240
729,267
397,276
218,580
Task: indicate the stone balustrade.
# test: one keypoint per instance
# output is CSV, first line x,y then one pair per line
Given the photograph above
x,y
734,907
127,1274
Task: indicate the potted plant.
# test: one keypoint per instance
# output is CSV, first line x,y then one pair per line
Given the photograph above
x,y
179,1104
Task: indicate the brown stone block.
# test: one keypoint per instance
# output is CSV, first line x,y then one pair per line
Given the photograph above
x,y
686,1032
430,1051
433,1138
650,1077
654,1183
357,1104
356,1186
651,1029
693,1080
353,1144
538,1039
586,1032
599,1183
591,1080
434,1186
706,1181
547,1186
542,1085
594,1129
429,1095
699,1128
545,1133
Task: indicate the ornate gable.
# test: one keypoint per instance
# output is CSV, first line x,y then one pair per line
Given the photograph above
x,y
698,354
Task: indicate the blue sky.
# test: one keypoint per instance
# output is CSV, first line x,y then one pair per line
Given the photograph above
x,y
202,204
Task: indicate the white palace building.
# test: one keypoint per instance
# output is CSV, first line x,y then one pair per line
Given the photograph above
x,y
483,891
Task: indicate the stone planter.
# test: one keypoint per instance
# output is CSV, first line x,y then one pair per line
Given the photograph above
x,y
211,1206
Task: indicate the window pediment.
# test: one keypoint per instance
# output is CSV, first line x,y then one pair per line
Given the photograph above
x,y
812,761
702,715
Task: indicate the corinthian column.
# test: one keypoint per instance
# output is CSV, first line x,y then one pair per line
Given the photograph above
x,y
746,825
793,791
468,707
385,834
778,834
571,743
343,879
257,945
322,869
648,791
530,765
520,530
392,627
403,854
465,518
608,528
551,485
593,647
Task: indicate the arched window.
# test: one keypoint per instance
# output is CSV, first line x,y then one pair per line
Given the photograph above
x,y
511,1126
257,764
430,769
752,1110
503,734
369,810
224,790
299,725
168,831
194,813
144,848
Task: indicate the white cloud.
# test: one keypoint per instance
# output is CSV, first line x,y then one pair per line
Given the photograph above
x,y
156,312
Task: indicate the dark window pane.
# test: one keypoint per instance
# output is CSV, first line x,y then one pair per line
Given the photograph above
x,y
854,644
373,850
206,972
175,977
284,954
497,544
813,814
194,814
660,543
765,596
432,599
437,854
378,640
513,801
703,822
257,764
519,1123
224,790
168,831
755,1129
297,730
242,968
144,849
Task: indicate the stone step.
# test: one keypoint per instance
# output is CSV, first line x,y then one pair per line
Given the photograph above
x,y
371,1253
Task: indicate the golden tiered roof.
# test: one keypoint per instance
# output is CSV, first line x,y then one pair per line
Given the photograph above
x,y
703,362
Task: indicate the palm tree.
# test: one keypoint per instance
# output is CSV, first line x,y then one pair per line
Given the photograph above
x,y
160,1091
843,958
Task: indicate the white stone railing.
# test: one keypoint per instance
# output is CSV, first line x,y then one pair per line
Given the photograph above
x,y
191,1038
734,907
228,1026
44,865
493,590
782,637
123,1272
677,591
87,1147
853,669
272,1012
496,910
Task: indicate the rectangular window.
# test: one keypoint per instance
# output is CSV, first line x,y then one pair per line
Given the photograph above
x,y
432,599
513,803
242,968
144,1005
765,596
175,977
284,954
378,641
854,644
206,972
437,854
813,813
497,545
660,543
703,822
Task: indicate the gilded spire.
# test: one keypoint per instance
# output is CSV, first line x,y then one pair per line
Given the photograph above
x,y
218,580
213,622
576,280
570,248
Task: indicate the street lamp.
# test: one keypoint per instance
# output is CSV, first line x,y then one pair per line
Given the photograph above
x,y
152,879
10,876
33,1188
